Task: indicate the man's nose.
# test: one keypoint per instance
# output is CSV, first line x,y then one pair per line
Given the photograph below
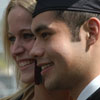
x,y
17,48
37,50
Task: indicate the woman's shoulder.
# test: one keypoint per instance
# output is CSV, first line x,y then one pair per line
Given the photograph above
x,y
21,94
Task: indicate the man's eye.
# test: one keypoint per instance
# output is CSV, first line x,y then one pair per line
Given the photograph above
x,y
28,36
45,35
12,39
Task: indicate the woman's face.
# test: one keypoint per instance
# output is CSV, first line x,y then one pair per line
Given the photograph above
x,y
21,40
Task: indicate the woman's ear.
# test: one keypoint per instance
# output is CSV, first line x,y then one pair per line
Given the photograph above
x,y
93,25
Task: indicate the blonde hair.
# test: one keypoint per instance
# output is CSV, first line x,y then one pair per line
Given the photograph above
x,y
29,5
26,92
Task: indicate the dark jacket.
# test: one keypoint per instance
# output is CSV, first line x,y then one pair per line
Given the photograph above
x,y
95,96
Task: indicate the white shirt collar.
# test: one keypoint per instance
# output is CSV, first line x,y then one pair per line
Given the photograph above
x,y
90,89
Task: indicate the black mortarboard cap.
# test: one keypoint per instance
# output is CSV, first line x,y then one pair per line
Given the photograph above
x,y
92,6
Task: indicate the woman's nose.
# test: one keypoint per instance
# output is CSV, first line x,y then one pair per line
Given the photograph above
x,y
17,48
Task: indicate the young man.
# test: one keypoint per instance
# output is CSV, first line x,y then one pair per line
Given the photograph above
x,y
67,45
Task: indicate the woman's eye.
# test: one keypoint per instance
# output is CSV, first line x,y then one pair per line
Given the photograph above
x,y
12,39
28,36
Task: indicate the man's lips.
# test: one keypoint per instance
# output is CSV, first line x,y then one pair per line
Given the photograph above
x,y
45,67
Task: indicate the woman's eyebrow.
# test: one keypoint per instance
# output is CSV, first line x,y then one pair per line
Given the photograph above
x,y
9,33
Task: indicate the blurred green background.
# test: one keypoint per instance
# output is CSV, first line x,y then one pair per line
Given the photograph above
x,y
3,5
3,64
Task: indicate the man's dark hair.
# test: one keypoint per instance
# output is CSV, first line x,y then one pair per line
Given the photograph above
x,y
74,20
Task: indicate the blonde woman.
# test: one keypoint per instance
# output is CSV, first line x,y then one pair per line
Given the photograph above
x,y
18,41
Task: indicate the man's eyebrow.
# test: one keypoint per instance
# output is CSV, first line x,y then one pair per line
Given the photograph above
x,y
41,28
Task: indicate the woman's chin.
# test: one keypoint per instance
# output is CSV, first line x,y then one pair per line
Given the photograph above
x,y
27,79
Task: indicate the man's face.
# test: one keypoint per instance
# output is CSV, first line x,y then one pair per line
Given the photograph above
x,y
62,60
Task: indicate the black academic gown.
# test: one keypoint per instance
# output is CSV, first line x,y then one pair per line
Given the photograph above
x,y
95,95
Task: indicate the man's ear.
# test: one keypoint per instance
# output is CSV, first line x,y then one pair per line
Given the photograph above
x,y
93,25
